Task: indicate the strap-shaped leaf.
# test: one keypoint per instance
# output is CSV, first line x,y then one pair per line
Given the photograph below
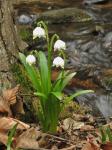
x,y
40,94
78,94
67,79
33,72
57,86
44,72
58,95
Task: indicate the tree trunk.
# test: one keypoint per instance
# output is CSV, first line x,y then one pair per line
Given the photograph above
x,y
10,43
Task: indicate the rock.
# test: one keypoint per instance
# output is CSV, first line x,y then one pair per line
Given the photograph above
x,y
108,40
87,46
104,103
24,19
65,15
94,1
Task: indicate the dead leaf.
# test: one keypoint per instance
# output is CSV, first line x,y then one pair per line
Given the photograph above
x,y
91,143
54,147
107,146
6,123
10,95
3,137
70,124
4,107
28,139
17,108
9,98
90,146
87,128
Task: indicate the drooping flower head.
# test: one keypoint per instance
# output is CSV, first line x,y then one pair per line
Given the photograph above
x,y
30,59
39,32
59,45
58,62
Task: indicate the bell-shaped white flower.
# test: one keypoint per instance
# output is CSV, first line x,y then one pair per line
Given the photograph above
x,y
59,45
38,32
30,59
58,62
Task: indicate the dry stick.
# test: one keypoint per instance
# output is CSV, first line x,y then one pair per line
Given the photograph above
x,y
62,139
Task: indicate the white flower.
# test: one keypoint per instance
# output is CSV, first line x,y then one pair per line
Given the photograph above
x,y
38,32
58,62
59,45
30,59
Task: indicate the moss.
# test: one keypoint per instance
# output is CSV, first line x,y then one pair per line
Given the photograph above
x,y
21,77
26,34
72,108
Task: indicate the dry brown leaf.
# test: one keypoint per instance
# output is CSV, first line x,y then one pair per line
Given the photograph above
x,y
4,107
10,95
71,124
17,108
89,146
7,123
91,143
9,98
28,139
3,138
87,128
107,146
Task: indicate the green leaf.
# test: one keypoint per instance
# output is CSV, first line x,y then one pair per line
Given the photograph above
x,y
60,75
79,93
10,136
57,86
22,58
103,135
109,133
40,94
32,71
67,79
44,72
58,95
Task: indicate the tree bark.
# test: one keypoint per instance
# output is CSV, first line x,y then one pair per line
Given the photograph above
x,y
10,43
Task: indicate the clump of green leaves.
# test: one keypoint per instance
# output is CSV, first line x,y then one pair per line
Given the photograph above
x,y
106,134
51,97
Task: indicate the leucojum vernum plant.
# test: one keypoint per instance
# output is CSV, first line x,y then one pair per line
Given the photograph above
x,y
39,69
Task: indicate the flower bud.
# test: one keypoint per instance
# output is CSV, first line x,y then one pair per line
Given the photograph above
x,y
38,32
30,59
58,62
59,45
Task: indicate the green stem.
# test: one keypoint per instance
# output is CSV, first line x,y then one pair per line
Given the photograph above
x,y
41,23
55,36
63,54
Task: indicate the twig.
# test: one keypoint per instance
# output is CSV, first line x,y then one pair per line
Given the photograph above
x,y
60,138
